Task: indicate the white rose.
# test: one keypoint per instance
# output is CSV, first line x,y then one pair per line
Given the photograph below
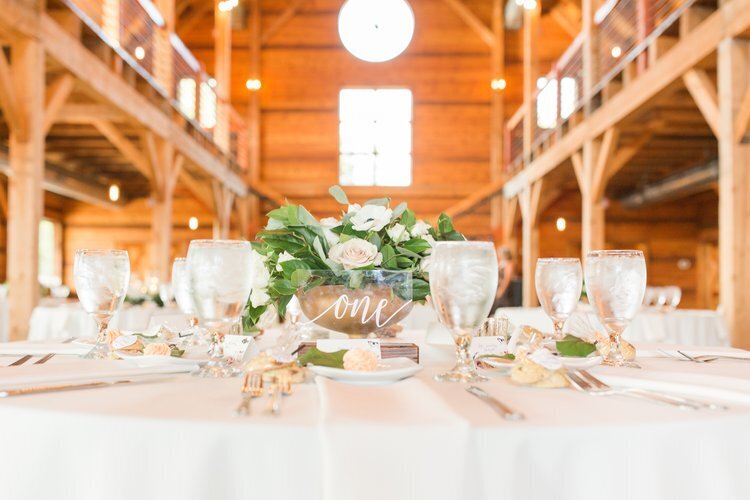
x,y
157,349
371,218
327,224
398,233
261,277
259,297
353,208
355,253
420,228
284,257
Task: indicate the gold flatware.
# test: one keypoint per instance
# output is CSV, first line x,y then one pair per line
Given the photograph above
x,y
44,359
252,387
21,360
505,411
274,399
61,387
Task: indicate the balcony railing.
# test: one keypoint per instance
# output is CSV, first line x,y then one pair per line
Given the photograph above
x,y
137,32
623,30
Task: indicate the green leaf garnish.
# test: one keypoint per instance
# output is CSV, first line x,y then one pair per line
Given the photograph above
x,y
573,347
508,356
314,356
176,352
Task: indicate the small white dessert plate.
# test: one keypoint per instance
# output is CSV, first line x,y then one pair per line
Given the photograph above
x,y
389,370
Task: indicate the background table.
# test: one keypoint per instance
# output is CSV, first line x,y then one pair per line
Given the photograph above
x,y
179,439
682,326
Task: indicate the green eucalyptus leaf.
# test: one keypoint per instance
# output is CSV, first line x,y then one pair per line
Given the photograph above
x,y
573,347
374,239
338,194
282,287
389,257
383,202
400,209
408,218
420,289
315,356
417,245
408,253
300,277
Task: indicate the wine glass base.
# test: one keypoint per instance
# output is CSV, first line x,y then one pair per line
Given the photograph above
x,y
620,362
465,377
99,351
216,369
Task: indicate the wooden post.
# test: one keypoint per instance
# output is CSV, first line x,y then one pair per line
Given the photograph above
x,y
252,206
529,80
223,203
734,188
25,193
528,201
111,20
223,75
589,52
166,168
497,109
164,55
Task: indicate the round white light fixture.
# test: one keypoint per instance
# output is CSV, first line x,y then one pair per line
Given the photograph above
x,y
376,30
114,192
193,223
561,224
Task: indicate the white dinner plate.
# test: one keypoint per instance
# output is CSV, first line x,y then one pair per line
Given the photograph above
x,y
389,370
143,360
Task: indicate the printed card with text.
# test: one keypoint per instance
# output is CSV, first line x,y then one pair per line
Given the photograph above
x,y
333,345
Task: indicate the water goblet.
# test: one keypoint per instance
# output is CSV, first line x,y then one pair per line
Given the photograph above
x,y
183,297
615,284
558,287
463,283
101,278
220,275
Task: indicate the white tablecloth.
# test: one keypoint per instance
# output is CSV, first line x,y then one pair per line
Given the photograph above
x,y
180,439
55,319
682,326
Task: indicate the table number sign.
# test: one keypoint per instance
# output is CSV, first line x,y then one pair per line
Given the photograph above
x,y
235,346
488,345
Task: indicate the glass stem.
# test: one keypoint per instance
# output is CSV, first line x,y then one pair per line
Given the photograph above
x,y
102,331
462,350
614,348
559,335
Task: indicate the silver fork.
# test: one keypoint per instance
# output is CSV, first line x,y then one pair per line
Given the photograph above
x,y
252,387
691,358
579,382
656,395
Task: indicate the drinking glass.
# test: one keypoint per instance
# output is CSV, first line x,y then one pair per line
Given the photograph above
x,y
615,284
101,278
184,299
220,275
558,286
463,283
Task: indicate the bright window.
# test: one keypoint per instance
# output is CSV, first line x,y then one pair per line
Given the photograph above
x,y
186,94
375,137
49,255
207,106
546,102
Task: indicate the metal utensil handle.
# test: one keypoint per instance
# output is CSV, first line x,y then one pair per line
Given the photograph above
x,y
504,411
53,388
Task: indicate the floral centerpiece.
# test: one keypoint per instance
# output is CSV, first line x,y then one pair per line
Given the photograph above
x,y
298,253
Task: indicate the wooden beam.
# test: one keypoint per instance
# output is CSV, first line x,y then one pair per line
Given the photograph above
x,y
568,25
528,201
603,159
497,108
57,93
4,200
129,150
8,101
254,121
25,193
530,25
280,22
87,112
197,189
509,211
193,19
223,203
734,191
222,75
743,117
732,19
482,31
703,91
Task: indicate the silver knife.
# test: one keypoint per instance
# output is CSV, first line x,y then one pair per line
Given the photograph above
x,y
506,412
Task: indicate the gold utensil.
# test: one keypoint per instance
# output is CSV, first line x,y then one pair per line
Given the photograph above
x,y
252,387
274,398
60,387
44,359
21,360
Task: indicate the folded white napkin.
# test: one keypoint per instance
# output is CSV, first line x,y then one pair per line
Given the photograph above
x,y
78,371
654,352
387,439
42,347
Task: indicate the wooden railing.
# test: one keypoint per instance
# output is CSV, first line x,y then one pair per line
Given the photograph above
x,y
137,32
622,31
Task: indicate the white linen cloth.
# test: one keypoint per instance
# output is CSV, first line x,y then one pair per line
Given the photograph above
x,y
688,327
42,347
180,439
394,431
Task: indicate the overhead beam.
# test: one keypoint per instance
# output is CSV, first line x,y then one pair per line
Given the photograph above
x,y
198,189
703,91
194,17
86,113
476,24
278,23
126,147
57,93
743,117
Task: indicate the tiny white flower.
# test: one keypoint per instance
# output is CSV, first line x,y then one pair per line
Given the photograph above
x,y
420,228
284,257
259,297
261,277
330,222
355,253
371,218
398,233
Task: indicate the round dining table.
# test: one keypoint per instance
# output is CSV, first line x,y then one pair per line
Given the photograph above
x,y
172,435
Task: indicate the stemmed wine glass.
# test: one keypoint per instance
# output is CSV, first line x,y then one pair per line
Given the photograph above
x,y
463,282
184,299
101,278
221,276
615,285
558,286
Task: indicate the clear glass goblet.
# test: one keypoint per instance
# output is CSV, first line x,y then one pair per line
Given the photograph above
x,y
615,285
463,283
101,278
184,298
558,287
221,276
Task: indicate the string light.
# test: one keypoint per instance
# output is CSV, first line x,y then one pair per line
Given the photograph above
x,y
193,223
616,51
561,224
253,84
114,192
498,84
528,4
140,53
227,5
